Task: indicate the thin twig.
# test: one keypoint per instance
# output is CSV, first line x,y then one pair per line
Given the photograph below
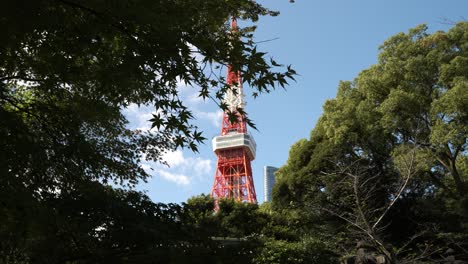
x,y
402,188
267,40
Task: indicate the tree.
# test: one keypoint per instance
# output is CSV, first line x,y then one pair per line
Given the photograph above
x,y
91,223
384,163
68,68
247,233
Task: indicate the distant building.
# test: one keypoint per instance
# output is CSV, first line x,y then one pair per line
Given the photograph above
x,y
268,182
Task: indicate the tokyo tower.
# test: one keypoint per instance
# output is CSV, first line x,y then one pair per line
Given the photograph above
x,y
234,148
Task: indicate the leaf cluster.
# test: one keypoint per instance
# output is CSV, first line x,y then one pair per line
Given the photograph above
x,y
384,163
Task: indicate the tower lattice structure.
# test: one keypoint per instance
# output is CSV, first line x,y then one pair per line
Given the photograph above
x,y
235,148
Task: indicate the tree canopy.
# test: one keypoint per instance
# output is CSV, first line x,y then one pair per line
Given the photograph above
x,y
386,162
67,69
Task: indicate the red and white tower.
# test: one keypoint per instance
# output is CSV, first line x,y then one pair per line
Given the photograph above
x,y
235,148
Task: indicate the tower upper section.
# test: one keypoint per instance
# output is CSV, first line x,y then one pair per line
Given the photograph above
x,y
236,140
234,134
234,98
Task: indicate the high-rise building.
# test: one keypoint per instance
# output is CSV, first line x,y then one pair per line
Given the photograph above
x,y
268,182
235,147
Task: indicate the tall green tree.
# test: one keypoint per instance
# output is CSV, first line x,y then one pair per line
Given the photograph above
x,y
67,69
385,164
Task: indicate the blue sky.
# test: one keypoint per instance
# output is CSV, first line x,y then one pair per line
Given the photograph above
x,y
325,42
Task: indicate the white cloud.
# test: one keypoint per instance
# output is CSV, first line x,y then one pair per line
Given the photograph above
x,y
147,168
182,170
202,166
174,158
179,179
138,116
194,100
213,117
182,86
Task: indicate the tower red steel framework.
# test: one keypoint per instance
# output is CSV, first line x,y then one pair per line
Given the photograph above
x,y
235,147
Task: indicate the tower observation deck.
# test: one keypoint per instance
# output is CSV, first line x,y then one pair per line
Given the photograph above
x,y
235,148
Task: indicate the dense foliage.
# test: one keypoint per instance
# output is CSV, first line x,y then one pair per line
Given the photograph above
x,y
67,69
384,172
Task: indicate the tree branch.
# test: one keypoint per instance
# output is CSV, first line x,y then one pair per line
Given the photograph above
x,y
16,77
390,205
